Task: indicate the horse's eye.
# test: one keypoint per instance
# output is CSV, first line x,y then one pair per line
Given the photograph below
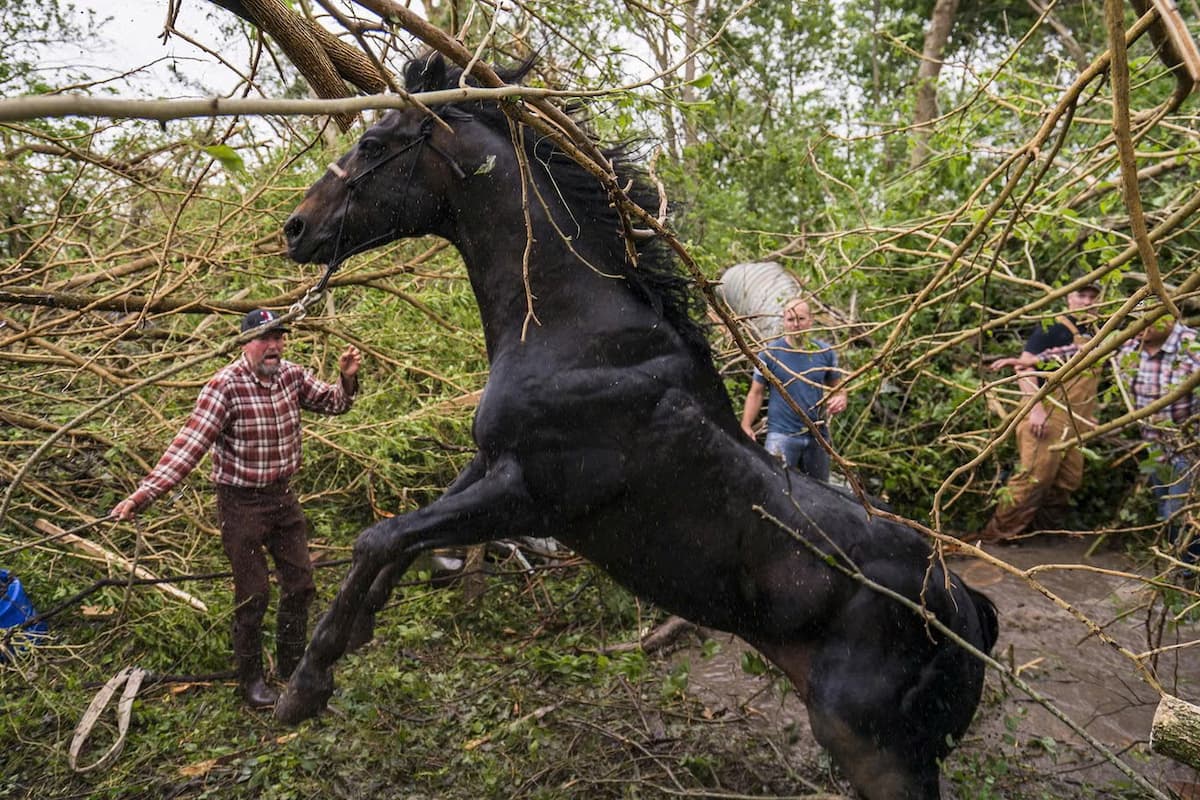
x,y
370,148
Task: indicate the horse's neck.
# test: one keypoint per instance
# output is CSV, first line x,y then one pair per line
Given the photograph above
x,y
555,286
558,310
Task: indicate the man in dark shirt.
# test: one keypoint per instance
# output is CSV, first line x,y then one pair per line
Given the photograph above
x,y
1039,489
248,415
1156,364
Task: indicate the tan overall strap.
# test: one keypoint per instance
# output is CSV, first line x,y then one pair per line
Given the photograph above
x,y
1079,393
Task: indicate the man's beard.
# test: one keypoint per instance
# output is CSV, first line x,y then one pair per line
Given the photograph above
x,y
1155,335
267,370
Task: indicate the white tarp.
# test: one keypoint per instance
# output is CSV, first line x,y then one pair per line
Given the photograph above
x,y
756,293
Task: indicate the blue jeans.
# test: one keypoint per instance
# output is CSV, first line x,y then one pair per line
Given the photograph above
x,y
1170,486
800,451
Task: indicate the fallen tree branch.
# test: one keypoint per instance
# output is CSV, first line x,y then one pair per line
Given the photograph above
x,y
118,561
660,636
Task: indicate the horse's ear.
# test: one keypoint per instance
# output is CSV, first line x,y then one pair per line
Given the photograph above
x,y
426,73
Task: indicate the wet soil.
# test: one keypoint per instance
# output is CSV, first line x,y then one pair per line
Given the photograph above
x,y
1017,748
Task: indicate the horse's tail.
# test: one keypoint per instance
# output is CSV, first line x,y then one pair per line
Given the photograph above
x,y
989,619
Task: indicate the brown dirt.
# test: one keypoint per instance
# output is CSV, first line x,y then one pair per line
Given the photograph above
x,y
1016,748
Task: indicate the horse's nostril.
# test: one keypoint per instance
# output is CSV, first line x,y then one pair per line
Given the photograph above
x,y
293,229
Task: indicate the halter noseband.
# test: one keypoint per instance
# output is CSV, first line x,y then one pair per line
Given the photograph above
x,y
420,140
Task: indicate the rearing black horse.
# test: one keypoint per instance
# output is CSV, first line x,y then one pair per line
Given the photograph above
x,y
604,424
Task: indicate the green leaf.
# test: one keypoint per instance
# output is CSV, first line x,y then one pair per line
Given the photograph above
x,y
229,158
753,663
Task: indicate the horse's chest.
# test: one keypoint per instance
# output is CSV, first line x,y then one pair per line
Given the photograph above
x,y
576,436
556,409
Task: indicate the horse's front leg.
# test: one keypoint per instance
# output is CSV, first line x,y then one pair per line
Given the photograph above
x,y
488,508
362,630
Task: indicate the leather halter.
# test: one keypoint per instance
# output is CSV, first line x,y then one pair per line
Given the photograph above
x,y
420,141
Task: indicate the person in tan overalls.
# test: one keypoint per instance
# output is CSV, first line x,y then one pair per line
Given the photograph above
x,y
1039,491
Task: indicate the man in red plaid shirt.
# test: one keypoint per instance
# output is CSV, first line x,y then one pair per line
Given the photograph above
x,y
248,415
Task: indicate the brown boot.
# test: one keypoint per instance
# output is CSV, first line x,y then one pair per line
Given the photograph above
x,y
254,689
291,636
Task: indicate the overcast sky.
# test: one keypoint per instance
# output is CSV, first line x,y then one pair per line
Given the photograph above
x,y
131,42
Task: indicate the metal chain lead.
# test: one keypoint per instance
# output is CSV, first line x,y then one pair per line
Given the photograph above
x,y
300,307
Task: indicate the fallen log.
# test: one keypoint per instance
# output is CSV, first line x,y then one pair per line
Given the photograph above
x,y
1175,730
116,561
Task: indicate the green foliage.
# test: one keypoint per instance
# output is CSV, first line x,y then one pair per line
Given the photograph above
x,y
26,31
789,135
753,663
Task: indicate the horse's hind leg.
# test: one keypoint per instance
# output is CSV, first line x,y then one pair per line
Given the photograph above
x,y
844,722
877,771
486,509
884,700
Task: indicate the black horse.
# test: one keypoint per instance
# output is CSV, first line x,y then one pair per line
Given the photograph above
x,y
604,424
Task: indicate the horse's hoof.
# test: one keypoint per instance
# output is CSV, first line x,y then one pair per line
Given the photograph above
x,y
361,632
303,698
293,709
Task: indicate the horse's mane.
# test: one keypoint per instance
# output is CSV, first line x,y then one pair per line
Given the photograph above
x,y
657,276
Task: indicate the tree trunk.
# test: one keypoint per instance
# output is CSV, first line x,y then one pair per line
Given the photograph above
x,y
1175,731
940,23
325,61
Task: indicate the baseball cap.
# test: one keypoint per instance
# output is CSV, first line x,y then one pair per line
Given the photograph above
x,y
260,317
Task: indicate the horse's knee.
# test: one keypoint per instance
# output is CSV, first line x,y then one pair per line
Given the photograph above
x,y
374,543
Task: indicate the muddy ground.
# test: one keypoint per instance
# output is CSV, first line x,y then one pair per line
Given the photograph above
x,y
1016,747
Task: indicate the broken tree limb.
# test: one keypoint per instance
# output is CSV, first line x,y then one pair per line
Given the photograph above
x,y
116,561
1175,731
658,638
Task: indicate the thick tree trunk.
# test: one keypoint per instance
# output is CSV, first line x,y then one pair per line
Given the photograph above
x,y
936,36
1175,731
325,61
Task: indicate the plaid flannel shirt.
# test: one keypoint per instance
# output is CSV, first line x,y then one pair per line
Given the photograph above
x,y
252,428
1151,377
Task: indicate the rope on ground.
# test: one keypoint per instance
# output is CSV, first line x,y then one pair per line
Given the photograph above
x,y
131,678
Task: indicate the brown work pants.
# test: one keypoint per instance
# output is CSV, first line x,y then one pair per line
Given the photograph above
x,y
255,521
1042,485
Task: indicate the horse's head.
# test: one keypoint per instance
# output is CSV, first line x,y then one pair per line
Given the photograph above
x,y
392,184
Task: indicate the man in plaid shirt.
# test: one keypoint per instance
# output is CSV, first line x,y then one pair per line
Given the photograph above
x,y
1157,364
248,415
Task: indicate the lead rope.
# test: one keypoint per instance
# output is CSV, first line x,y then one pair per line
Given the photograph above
x,y
131,678
299,309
